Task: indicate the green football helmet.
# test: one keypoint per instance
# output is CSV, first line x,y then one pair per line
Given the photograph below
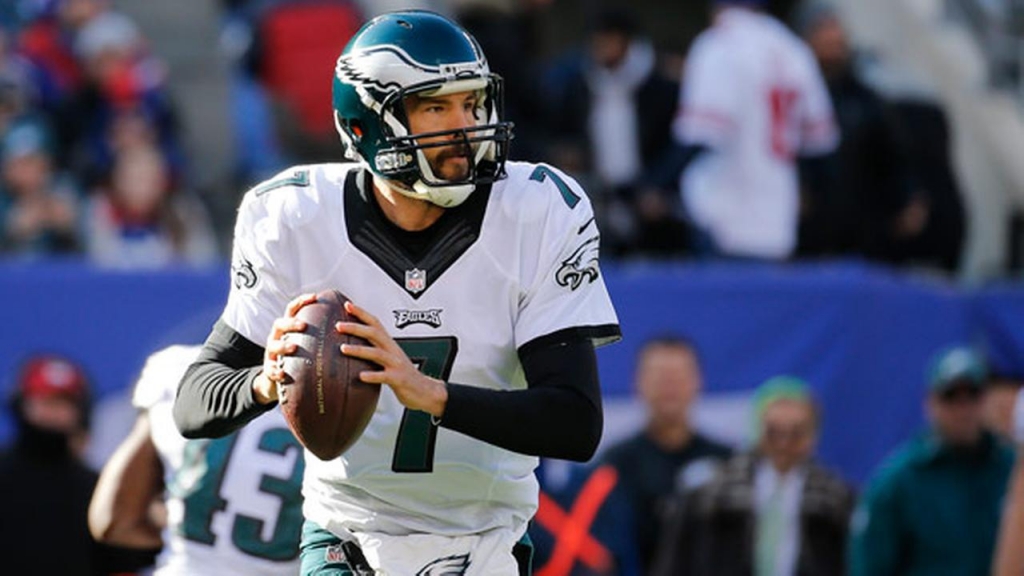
x,y
417,52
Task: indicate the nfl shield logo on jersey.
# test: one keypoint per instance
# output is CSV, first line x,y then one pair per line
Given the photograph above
x,y
415,280
334,554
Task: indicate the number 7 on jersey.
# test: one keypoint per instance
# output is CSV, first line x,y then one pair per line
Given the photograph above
x,y
417,435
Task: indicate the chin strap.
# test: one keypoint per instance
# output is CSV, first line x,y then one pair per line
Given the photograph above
x,y
443,196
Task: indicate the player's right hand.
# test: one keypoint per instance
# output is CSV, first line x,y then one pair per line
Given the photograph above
x,y
264,388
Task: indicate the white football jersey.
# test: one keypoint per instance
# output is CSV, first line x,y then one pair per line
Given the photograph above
x,y
234,504
753,93
515,263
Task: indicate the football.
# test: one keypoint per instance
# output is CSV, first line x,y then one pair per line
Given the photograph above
x,y
325,404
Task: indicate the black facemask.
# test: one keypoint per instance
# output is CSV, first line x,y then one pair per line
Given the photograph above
x,y
42,443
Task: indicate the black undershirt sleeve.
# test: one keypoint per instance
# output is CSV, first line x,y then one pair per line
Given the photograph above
x,y
558,415
215,395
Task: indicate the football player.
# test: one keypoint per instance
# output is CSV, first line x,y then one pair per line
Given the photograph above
x,y
476,283
230,506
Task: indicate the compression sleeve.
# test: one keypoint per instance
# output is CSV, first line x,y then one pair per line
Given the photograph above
x,y
215,395
558,415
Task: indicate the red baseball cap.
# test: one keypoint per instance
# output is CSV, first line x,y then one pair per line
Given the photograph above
x,y
52,376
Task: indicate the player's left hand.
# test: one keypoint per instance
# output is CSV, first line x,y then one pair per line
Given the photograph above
x,y
414,389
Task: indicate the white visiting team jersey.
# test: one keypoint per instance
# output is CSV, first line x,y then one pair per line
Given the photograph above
x,y
234,504
506,268
751,92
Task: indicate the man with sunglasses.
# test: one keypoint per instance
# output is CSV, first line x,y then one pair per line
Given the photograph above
x,y
933,508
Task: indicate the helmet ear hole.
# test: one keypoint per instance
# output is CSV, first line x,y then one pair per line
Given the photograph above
x,y
354,129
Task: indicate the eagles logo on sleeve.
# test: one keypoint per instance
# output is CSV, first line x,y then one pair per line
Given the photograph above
x,y
242,273
580,265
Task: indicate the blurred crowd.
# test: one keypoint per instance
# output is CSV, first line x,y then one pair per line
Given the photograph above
x,y
670,500
761,141
771,147
90,156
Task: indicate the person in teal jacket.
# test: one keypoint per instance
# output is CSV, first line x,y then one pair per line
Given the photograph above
x,y
933,507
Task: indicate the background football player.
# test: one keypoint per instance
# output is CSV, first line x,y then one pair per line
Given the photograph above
x,y
432,221
232,505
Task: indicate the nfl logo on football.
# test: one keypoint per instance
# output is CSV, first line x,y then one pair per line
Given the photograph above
x,y
415,280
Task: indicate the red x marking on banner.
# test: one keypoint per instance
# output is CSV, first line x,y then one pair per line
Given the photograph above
x,y
572,531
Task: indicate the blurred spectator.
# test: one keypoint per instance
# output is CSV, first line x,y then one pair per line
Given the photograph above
x,y
652,464
47,41
753,100
932,228
15,81
1009,555
773,512
39,208
507,32
141,220
295,43
933,507
43,483
257,149
615,115
889,191
11,105
121,78
861,201
997,403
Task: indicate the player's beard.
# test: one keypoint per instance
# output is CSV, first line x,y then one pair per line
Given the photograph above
x,y
452,163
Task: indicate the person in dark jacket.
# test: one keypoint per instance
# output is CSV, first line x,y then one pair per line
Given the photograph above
x,y
861,198
933,507
651,464
770,512
888,192
44,486
613,116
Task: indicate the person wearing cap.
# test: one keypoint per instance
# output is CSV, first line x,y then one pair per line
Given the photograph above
x,y
772,511
45,487
51,404
43,484
933,507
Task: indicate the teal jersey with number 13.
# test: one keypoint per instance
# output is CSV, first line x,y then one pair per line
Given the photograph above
x,y
234,504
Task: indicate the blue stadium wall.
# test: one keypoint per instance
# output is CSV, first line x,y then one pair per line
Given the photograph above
x,y
861,335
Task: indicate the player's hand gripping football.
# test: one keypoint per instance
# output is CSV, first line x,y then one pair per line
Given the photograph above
x,y
414,389
264,388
